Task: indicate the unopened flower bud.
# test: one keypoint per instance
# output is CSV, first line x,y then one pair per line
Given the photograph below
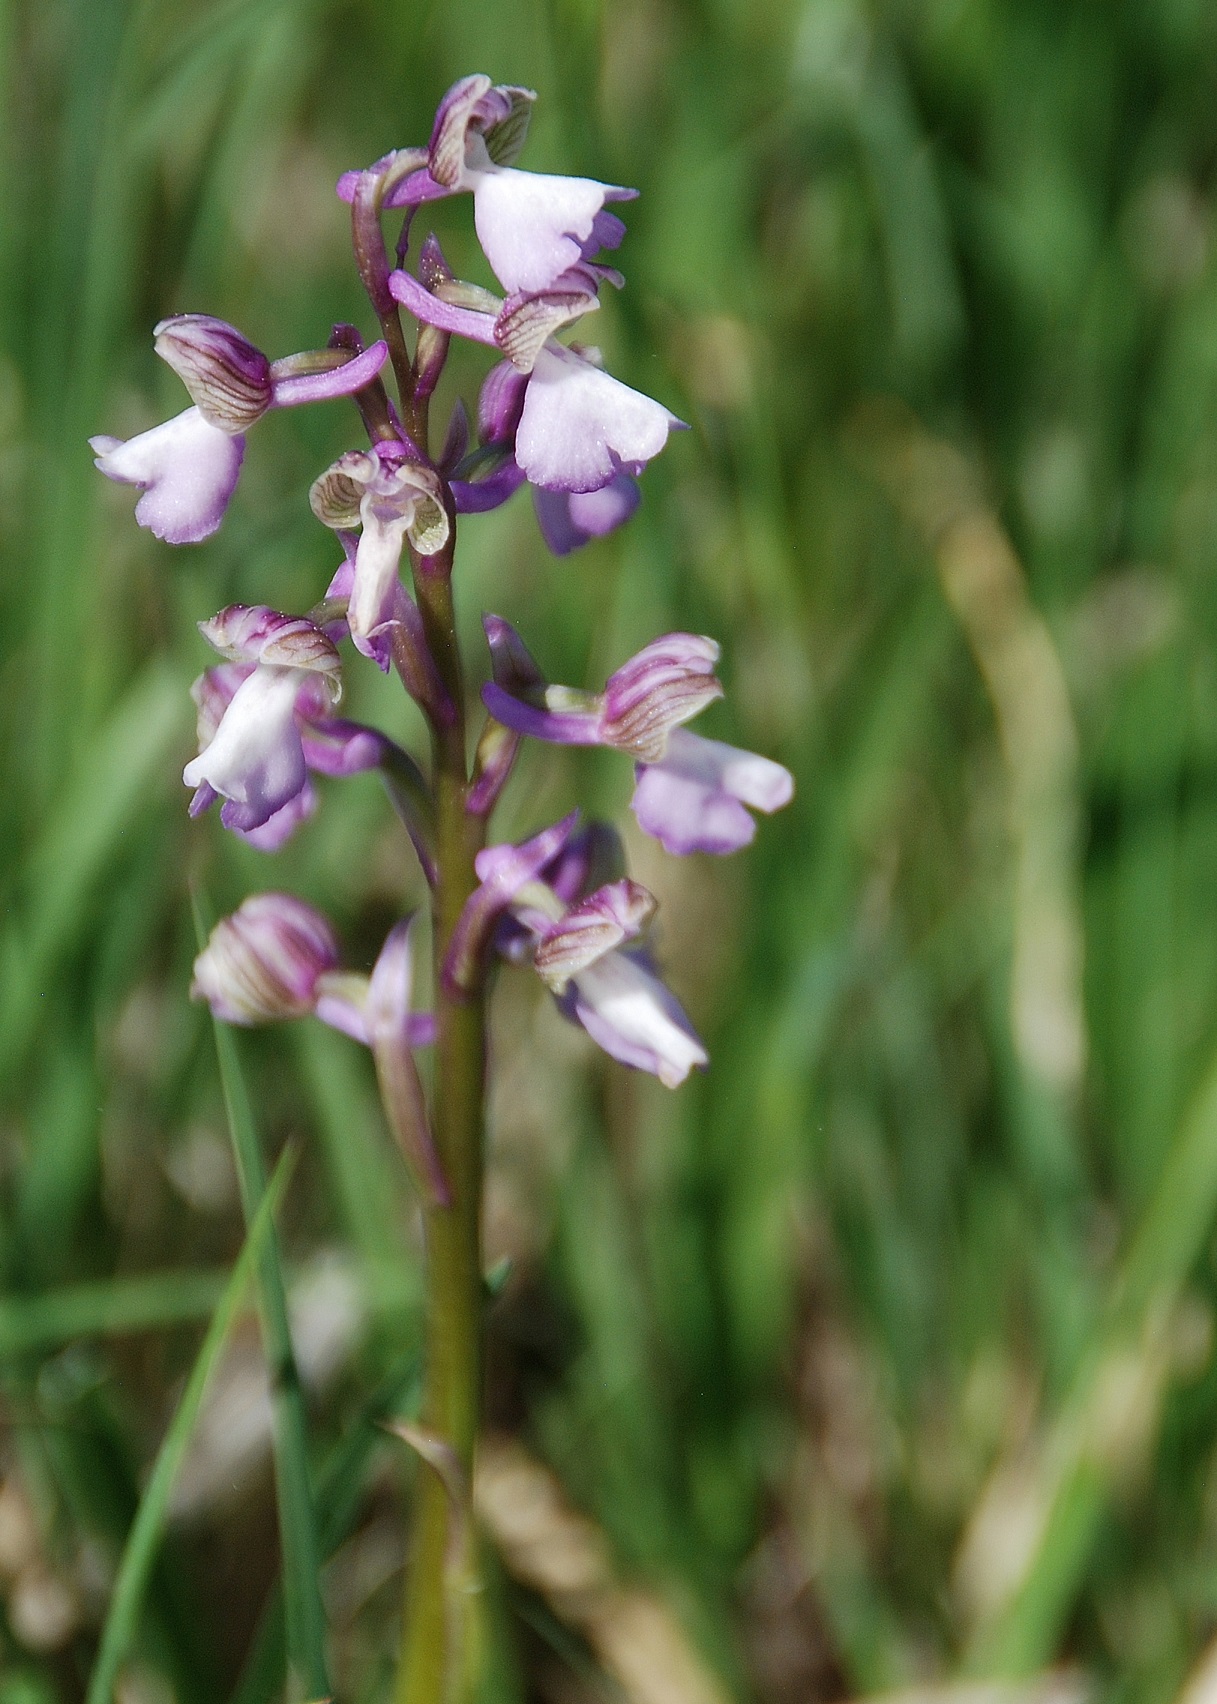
x,y
228,379
263,962
433,266
602,921
666,684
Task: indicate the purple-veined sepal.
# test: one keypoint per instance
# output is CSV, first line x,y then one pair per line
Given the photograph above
x,y
228,379
606,919
668,682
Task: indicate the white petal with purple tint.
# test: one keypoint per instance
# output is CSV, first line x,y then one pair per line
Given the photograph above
x,y
187,469
532,227
377,566
255,759
628,1011
580,426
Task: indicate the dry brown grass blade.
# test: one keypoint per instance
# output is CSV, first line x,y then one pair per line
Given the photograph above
x,y
559,1553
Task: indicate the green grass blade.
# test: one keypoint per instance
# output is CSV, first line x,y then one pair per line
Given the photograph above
x,y
340,1488
1077,1462
85,832
149,1523
305,1615
145,1303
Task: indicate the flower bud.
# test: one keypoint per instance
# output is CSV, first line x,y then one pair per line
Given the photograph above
x,y
263,962
602,921
501,403
667,683
228,379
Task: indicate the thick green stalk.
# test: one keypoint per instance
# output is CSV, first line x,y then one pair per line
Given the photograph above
x,y
440,1649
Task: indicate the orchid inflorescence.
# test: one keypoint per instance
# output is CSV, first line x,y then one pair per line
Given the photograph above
x,y
547,415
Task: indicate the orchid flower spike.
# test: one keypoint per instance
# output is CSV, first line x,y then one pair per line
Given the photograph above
x,y
187,468
534,229
690,792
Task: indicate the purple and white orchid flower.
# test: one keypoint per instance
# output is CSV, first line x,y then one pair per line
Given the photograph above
x,y
265,720
276,957
390,498
584,945
187,468
534,229
690,792
575,427
265,962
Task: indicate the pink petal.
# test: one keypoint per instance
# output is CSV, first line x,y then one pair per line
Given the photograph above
x,y
756,780
686,814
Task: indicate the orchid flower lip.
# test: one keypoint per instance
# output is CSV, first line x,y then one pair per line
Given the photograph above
x,y
694,798
628,1011
187,469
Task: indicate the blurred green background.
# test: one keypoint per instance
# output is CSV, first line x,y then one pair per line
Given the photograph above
x,y
882,1356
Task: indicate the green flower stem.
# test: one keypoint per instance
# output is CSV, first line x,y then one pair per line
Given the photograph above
x,y
440,1640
